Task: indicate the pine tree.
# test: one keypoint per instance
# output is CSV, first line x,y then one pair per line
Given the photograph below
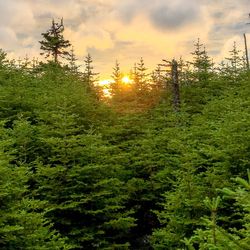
x,y
202,63
3,60
22,224
141,78
116,76
122,95
85,198
235,63
53,43
213,236
158,79
89,75
72,61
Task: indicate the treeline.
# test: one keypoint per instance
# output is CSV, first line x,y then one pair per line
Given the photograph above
x,y
130,172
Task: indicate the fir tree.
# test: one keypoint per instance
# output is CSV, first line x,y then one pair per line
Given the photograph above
x,y
140,75
23,222
117,78
53,43
89,74
235,63
3,60
158,79
72,61
202,63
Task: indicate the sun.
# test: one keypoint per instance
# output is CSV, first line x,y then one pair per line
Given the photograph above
x,y
126,80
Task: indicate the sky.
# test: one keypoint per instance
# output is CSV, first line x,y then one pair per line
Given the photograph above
x,y
126,30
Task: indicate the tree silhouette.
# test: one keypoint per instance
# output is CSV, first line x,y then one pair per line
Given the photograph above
x,y
53,43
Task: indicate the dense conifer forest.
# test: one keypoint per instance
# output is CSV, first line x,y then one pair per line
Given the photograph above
x,y
131,170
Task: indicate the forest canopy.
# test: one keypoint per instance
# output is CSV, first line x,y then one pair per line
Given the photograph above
x,y
161,163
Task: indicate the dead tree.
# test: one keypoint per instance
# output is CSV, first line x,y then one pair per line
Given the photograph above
x,y
174,76
175,85
246,50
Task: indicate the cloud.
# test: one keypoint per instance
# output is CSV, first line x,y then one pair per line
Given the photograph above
x,y
17,15
89,36
7,37
163,14
174,15
125,30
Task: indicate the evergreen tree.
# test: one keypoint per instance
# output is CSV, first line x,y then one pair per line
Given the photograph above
x,y
74,174
53,43
158,79
85,199
122,95
3,60
115,85
23,224
72,61
214,236
89,75
235,64
140,78
202,63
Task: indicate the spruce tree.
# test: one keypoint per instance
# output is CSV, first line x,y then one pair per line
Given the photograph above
x,y
202,64
235,64
89,74
158,79
115,85
72,61
22,224
141,77
53,43
3,60
214,236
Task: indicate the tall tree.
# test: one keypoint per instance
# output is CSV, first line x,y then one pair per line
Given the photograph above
x,y
140,75
53,43
175,85
72,61
236,63
89,74
116,77
201,62
158,79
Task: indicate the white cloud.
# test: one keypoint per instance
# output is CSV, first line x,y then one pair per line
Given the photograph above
x,y
125,30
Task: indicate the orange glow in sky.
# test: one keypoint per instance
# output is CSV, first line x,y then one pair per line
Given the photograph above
x,y
126,80
126,30
106,82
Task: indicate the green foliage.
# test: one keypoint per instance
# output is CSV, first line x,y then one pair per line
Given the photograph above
x,y
115,86
53,43
77,175
235,64
22,224
73,62
216,237
202,63
89,76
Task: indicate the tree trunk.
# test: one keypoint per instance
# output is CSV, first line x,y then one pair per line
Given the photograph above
x,y
246,49
175,85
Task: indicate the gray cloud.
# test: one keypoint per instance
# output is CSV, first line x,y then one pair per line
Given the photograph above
x,y
174,16
127,10
162,14
93,23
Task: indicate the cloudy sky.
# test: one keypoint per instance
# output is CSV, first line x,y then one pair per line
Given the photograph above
x,y
126,29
